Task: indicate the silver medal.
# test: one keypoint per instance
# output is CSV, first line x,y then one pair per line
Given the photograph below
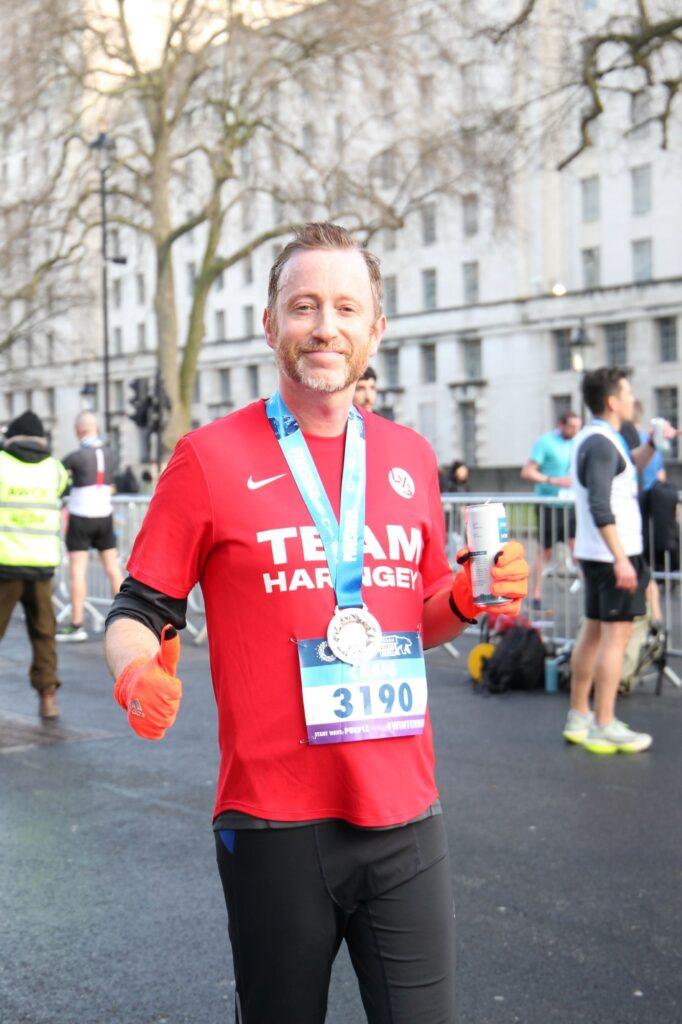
x,y
354,635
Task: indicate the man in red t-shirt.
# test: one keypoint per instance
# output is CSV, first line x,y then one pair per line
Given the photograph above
x,y
316,533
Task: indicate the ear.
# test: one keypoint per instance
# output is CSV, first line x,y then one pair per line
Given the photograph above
x,y
378,331
268,327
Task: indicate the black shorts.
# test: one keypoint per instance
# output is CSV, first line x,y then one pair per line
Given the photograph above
x,y
294,894
605,601
553,521
85,532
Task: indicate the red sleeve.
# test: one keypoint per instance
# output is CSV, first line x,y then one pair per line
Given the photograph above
x,y
435,568
177,533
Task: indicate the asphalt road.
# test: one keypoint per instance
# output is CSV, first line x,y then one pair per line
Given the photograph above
x,y
567,868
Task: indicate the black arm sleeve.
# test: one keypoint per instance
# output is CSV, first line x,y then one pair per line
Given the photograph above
x,y
599,461
148,606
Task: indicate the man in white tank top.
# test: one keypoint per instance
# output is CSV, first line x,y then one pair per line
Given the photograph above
x,y
609,546
90,519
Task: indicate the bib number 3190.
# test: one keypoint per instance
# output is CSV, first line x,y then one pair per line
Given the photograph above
x,y
370,700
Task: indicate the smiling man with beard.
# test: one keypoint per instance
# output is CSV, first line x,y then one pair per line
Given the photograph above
x,y
327,821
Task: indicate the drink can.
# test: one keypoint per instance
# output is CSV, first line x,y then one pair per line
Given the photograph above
x,y
486,530
658,434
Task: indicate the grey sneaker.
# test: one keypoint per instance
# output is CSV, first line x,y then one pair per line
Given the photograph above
x,y
577,726
615,738
72,634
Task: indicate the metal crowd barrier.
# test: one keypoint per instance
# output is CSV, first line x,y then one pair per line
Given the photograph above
x,y
530,518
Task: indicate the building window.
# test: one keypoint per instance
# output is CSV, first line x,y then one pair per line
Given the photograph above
x,y
561,405
616,344
428,213
390,240
425,84
114,242
428,361
640,112
219,325
667,339
472,358
252,381
247,269
467,420
117,292
470,215
117,347
247,214
141,337
219,283
9,404
429,289
141,290
119,397
391,295
391,374
387,172
50,402
197,388
191,277
562,349
591,269
642,257
589,193
225,384
470,282
666,406
49,348
248,321
640,179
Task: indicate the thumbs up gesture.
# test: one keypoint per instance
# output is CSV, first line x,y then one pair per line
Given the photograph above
x,y
150,691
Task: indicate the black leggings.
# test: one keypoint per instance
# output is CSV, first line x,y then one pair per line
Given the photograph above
x,y
293,894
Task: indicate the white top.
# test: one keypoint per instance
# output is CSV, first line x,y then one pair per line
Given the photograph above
x,y
589,543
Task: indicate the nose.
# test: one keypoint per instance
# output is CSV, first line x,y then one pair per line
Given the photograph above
x,y
325,326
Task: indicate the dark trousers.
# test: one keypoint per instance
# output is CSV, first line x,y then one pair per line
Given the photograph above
x,y
293,895
36,599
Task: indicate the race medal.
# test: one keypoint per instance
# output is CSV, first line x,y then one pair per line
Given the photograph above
x,y
354,635
383,698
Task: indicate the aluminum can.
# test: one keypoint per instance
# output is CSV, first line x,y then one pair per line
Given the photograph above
x,y
658,436
486,531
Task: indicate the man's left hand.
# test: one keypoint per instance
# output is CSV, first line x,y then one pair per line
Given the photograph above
x,y
508,575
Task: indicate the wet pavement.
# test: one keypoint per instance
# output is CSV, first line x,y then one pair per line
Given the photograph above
x,y
567,868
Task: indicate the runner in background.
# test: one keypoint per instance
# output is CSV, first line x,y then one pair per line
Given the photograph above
x,y
548,468
91,523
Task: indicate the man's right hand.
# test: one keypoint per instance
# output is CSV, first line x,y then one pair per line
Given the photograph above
x,y
626,577
149,690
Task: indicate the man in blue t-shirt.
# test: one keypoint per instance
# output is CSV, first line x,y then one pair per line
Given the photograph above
x,y
548,468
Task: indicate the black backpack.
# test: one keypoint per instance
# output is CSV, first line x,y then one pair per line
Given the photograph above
x,y
518,662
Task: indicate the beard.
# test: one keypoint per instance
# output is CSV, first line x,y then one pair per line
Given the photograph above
x,y
325,380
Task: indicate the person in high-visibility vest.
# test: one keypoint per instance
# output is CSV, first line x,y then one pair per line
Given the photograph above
x,y
31,483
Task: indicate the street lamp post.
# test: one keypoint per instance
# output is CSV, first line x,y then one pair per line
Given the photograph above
x,y
104,146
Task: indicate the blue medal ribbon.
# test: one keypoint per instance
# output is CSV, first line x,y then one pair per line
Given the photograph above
x,y
343,542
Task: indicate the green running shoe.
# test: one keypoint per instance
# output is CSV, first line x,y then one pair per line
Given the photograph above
x,y
577,726
615,738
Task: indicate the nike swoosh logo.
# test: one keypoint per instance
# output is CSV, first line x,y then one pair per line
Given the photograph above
x,y
253,485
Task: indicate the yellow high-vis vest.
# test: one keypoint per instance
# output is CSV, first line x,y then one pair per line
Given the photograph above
x,y
30,517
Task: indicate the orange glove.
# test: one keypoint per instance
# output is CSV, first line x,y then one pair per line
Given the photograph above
x,y
149,690
509,575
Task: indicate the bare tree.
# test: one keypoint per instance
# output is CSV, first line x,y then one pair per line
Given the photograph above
x,y
240,128
629,48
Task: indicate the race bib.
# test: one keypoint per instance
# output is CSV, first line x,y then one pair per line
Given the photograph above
x,y
382,699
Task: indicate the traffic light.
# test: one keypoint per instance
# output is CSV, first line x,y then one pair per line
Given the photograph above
x,y
140,400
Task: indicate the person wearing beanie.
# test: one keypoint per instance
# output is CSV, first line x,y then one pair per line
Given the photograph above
x,y
31,483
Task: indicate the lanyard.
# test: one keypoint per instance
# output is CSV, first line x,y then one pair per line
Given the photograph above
x,y
343,542
619,439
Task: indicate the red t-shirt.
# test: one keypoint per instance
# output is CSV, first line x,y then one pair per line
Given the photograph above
x,y
227,513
